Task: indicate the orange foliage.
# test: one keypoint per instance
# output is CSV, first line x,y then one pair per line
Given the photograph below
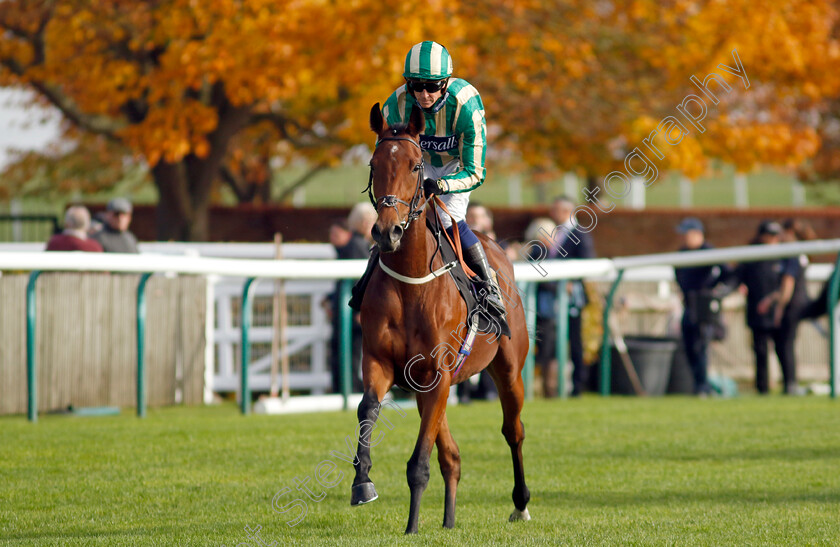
x,y
568,84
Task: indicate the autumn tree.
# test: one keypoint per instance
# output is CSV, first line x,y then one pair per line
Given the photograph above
x,y
211,92
176,81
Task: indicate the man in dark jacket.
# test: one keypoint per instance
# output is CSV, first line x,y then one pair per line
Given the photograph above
x,y
570,242
348,245
702,291
771,315
114,235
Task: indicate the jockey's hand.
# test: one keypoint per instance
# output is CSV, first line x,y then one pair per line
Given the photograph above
x,y
432,186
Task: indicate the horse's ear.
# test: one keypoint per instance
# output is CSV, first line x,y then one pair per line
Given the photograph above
x,y
416,121
377,123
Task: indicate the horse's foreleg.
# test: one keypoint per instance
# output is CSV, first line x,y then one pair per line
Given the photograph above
x,y
449,458
432,406
377,384
511,394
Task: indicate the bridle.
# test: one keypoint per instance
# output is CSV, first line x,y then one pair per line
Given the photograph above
x,y
390,200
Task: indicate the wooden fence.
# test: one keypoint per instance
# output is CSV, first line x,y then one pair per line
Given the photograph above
x,y
87,344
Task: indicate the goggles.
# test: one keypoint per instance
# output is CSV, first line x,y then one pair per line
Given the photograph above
x,y
419,85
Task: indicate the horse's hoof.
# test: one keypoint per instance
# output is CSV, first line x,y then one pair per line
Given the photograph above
x,y
520,515
363,493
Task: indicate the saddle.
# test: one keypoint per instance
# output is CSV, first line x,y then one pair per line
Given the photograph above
x,y
487,321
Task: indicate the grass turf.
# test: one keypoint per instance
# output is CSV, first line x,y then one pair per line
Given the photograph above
x,y
682,471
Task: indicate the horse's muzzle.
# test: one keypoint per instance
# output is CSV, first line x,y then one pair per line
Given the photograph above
x,y
388,238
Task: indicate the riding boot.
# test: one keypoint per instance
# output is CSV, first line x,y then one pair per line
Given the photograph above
x,y
358,291
477,260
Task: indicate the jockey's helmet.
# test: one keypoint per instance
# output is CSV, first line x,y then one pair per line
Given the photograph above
x,y
428,61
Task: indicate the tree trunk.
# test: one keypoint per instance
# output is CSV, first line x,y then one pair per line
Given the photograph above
x,y
184,187
183,208
174,210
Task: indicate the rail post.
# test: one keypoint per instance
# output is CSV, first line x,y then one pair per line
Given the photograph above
x,y
247,306
31,328
531,325
606,349
562,343
345,350
141,345
834,332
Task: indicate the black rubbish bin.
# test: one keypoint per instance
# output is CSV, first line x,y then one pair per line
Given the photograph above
x,y
651,357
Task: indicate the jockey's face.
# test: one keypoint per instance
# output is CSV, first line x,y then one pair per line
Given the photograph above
x,y
424,97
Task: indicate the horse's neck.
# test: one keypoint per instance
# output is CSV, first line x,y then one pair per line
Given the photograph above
x,y
412,258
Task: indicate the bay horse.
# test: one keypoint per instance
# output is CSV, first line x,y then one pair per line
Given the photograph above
x,y
404,322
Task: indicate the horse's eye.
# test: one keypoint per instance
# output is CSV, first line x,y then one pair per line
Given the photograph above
x,y
416,168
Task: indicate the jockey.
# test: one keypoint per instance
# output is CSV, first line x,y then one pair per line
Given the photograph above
x,y
454,146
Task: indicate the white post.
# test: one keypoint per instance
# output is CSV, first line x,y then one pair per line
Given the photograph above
x,y
798,194
515,190
636,198
686,192
299,197
570,186
209,337
742,197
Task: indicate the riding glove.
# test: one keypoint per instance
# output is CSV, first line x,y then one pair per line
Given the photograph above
x,y
431,186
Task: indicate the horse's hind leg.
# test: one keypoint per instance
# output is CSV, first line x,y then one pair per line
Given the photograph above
x,y
508,379
449,458
377,384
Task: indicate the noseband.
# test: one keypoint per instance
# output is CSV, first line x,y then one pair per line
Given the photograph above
x,y
391,200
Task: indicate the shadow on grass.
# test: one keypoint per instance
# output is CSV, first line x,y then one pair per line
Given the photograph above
x,y
671,454
688,497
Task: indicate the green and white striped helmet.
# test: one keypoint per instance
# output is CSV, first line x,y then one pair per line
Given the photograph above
x,y
428,61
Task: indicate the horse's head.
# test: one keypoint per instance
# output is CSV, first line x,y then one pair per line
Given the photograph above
x,y
396,177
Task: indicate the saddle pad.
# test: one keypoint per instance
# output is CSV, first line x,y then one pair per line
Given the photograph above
x,y
487,321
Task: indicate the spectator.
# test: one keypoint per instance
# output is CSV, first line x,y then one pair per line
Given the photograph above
x,y
114,235
769,286
348,245
361,220
569,242
546,336
796,230
480,218
74,237
702,291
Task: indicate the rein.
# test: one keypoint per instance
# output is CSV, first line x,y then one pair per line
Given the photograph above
x,y
414,208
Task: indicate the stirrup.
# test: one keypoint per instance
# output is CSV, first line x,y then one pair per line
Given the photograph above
x,y
492,296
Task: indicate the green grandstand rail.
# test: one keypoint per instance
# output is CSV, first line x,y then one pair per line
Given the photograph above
x,y
531,325
141,345
606,349
247,307
345,348
31,326
834,360
561,347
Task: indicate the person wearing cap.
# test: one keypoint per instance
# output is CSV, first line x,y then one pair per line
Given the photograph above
x,y
74,237
114,235
703,287
454,148
769,285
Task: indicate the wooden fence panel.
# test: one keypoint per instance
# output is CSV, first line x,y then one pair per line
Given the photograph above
x,y
86,340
